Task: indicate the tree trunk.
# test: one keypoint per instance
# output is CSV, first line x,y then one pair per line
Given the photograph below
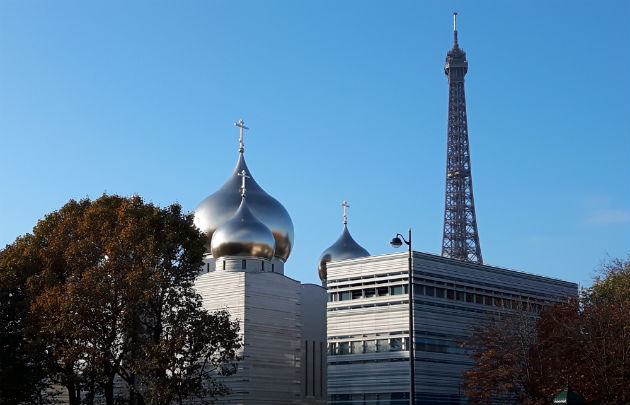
x,y
72,394
108,391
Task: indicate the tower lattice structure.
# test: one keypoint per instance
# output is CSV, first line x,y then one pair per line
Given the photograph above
x,y
460,240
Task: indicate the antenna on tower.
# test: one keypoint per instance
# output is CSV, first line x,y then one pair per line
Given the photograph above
x,y
455,28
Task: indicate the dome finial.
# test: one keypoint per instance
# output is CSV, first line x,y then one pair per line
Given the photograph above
x,y
244,175
345,206
241,125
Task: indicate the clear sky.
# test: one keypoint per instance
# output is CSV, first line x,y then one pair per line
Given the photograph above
x,y
345,100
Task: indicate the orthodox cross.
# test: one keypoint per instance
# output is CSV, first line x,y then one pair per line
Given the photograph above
x,y
241,125
345,206
244,175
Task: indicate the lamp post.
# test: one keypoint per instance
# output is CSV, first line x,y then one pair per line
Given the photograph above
x,y
397,242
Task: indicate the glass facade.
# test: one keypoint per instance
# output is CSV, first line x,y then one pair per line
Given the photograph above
x,y
468,295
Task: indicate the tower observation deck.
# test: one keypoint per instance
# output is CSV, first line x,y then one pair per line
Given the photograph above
x,y
460,239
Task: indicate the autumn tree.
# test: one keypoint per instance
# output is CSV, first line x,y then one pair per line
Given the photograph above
x,y
584,341
22,377
587,341
501,348
111,296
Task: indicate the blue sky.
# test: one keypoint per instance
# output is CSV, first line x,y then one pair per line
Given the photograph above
x,y
345,100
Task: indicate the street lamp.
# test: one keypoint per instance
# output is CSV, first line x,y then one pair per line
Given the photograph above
x,y
397,242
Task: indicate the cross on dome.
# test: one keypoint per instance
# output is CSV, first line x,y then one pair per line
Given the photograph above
x,y
345,206
244,175
241,125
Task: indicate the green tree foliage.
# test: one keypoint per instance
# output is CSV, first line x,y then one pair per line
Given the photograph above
x,y
107,287
584,341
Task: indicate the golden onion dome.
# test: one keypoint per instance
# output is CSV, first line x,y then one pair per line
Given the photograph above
x,y
243,235
344,248
219,207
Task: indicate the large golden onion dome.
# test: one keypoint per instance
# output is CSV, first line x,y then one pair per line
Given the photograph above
x,y
345,247
243,235
219,207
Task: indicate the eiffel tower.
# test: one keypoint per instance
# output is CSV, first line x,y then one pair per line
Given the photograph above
x,y
460,240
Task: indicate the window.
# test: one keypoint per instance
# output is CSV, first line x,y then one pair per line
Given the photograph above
x,y
224,265
459,296
369,292
382,345
370,398
478,299
272,267
439,292
450,294
344,296
487,300
343,348
470,297
243,264
356,347
381,291
395,345
396,290
262,267
370,346
430,291
356,294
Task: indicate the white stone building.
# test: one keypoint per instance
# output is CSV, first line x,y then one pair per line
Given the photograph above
x,y
282,322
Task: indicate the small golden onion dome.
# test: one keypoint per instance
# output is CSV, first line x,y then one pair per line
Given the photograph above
x,y
344,248
219,207
243,235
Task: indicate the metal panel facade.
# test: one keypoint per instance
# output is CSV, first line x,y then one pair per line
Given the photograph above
x,y
368,332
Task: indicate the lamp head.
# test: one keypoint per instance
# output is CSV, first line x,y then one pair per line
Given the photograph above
x,y
396,242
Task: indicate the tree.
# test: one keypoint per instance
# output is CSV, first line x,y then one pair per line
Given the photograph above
x,y
588,341
501,349
584,341
22,379
111,297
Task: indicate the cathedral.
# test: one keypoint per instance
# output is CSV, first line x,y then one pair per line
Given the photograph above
x,y
282,321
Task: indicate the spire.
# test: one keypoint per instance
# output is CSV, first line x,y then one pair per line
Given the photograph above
x,y
456,57
241,125
345,206
244,175
455,45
